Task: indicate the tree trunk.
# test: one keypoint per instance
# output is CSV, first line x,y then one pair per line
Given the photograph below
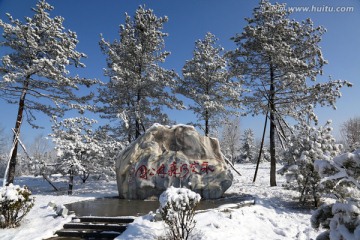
x,y
85,176
71,181
129,127
207,112
19,119
272,151
137,128
129,136
49,181
272,129
206,122
137,119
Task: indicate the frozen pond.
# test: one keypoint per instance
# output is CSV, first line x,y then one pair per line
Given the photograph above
x,y
112,207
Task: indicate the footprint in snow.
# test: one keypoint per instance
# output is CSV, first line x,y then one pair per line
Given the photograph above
x,y
280,232
273,223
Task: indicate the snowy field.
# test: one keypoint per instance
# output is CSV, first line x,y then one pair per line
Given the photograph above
x,y
276,214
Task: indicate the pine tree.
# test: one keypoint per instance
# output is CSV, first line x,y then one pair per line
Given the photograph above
x,y
275,58
208,84
308,144
248,149
138,87
35,74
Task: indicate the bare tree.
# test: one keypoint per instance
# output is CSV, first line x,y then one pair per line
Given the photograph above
x,y
350,132
42,154
40,146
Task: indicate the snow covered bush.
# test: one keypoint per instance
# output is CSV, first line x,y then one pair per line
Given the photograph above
x,y
341,220
306,145
340,177
177,208
340,180
15,203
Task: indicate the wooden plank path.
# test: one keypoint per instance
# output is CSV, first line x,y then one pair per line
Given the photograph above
x,y
93,227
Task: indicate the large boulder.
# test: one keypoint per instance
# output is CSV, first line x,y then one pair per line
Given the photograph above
x,y
172,156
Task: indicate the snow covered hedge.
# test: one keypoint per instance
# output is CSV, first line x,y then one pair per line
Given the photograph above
x,y
177,208
15,203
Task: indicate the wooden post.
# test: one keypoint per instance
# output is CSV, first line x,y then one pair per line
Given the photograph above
x,y
261,146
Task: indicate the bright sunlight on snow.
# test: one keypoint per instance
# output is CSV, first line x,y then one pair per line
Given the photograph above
x,y
275,215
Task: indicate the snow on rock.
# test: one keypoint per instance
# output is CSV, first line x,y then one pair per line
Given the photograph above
x,y
172,156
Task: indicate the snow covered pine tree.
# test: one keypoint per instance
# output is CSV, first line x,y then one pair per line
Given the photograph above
x,y
308,144
207,82
248,153
137,90
36,69
275,57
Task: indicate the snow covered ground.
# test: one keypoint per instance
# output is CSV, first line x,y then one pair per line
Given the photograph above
x,y
276,215
42,222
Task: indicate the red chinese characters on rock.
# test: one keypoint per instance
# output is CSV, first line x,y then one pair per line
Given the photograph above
x,y
173,170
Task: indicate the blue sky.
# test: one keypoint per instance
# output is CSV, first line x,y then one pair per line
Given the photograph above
x,y
189,20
